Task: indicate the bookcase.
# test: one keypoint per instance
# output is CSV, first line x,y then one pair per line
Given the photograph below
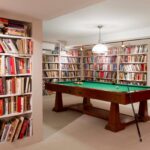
x,y
88,65
51,63
16,49
125,65
133,64
106,65
70,64
60,64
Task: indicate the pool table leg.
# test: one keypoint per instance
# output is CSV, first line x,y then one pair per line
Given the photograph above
x,y
143,112
86,103
58,102
114,123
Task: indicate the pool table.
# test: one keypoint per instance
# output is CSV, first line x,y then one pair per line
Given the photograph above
x,y
114,93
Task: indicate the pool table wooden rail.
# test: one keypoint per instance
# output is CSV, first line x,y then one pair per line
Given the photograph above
x,y
115,97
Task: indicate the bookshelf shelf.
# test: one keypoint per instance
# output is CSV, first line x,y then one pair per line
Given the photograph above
x,y
15,114
14,37
16,94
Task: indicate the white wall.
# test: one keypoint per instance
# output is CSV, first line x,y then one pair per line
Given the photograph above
x,y
36,80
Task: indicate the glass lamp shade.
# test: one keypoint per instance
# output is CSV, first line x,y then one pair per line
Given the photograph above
x,y
99,48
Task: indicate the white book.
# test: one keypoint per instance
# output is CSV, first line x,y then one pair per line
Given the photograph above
x,y
6,106
27,84
12,104
4,134
10,45
22,104
8,131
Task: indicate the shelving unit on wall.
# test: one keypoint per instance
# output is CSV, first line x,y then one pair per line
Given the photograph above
x,y
133,64
60,64
70,64
51,63
16,49
106,65
125,65
88,65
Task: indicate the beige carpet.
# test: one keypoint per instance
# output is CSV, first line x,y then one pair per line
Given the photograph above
x,y
88,133
72,131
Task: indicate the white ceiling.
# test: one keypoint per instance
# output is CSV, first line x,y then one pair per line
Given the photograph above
x,y
122,19
44,9
75,21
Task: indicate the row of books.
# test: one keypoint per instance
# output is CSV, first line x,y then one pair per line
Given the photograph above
x,y
133,58
70,66
13,65
134,49
133,67
16,128
88,66
106,75
23,65
51,74
87,53
15,85
70,74
16,46
14,27
88,73
106,59
70,60
50,66
71,52
18,104
106,67
112,51
48,58
133,76
88,60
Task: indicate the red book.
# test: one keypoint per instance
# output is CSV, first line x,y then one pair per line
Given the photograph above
x,y
23,129
12,65
1,86
18,104
1,107
13,85
1,49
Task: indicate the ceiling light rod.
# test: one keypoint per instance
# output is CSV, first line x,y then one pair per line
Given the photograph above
x,y
99,37
99,48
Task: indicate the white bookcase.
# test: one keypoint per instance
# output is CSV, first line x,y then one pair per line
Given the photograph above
x,y
60,64
125,65
16,120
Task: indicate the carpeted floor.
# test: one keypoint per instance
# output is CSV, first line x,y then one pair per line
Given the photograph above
x,y
72,131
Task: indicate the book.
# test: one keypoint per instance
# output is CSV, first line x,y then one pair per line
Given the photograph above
x,y
21,120
5,131
1,107
11,134
2,125
24,128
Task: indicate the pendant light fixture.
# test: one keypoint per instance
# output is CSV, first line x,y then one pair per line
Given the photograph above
x,y
99,48
122,45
